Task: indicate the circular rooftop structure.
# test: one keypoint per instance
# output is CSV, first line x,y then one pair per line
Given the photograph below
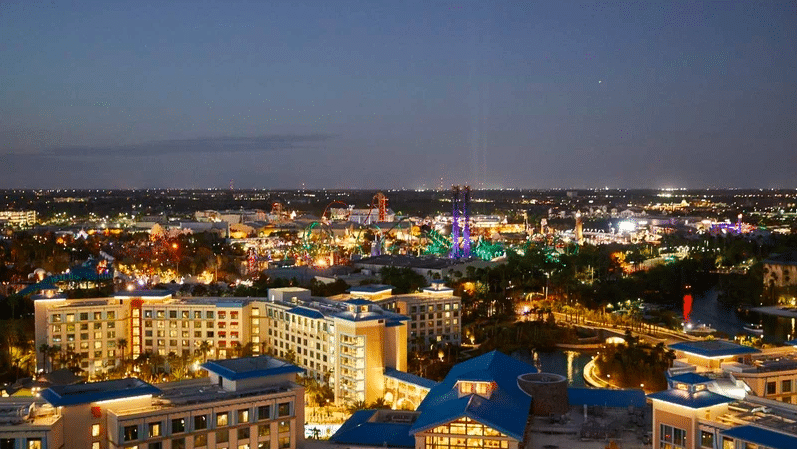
x,y
548,392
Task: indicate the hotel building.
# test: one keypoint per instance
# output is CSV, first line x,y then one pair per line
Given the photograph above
x,y
698,412
352,340
245,403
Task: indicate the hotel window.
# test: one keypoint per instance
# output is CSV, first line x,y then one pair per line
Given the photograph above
x,y
284,409
243,416
728,443
201,440
95,430
34,443
772,387
178,425
70,317
97,316
200,422
671,437
173,314
84,316
284,442
178,443
264,430
284,426
154,429
94,445
148,314
209,314
184,314
263,412
222,436
155,445
111,315
785,386
222,419
130,433
55,318
243,433
706,439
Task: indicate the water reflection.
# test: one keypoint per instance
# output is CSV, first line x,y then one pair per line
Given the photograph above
x,y
567,363
725,318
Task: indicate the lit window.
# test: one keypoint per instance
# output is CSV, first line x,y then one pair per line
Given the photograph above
x,y
95,430
154,429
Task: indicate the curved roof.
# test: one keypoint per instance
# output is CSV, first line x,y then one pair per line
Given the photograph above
x,y
506,410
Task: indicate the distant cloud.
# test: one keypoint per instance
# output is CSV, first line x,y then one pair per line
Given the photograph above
x,y
213,145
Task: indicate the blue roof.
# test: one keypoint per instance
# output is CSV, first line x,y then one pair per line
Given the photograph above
x,y
86,393
698,399
309,313
713,348
357,430
410,378
249,367
762,437
370,288
791,342
358,301
606,398
506,410
690,378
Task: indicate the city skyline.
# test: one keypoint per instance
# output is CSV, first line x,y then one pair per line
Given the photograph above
x,y
353,94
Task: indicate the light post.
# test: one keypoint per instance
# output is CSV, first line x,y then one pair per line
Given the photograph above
x,y
547,278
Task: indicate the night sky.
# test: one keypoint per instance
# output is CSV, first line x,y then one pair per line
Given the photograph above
x,y
392,94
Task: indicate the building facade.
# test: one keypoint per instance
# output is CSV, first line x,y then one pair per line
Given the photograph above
x,y
698,412
435,316
351,343
245,403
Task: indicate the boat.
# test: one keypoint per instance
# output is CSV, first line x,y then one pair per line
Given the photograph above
x,y
756,329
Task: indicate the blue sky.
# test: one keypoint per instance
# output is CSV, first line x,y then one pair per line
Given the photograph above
x,y
398,94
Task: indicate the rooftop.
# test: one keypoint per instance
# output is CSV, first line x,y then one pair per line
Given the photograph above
x,y
762,437
698,399
370,289
713,348
690,378
410,378
506,410
249,367
786,258
86,393
382,428
142,294
606,398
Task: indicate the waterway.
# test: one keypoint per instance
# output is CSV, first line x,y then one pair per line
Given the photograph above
x,y
566,363
724,318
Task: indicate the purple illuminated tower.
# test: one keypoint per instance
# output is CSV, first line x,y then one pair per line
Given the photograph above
x,y
455,224
466,217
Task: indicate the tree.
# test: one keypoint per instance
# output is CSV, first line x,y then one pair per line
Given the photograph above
x,y
356,406
44,348
122,345
203,350
379,403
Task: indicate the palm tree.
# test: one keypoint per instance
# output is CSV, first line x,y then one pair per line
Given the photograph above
x,y
379,403
53,352
203,350
44,348
356,406
122,345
